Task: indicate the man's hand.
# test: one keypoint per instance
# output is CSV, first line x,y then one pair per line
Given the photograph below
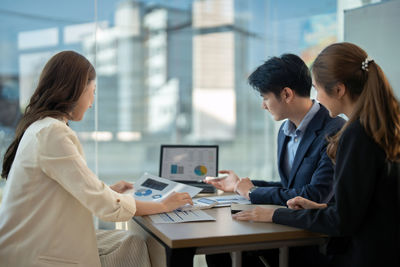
x,y
227,184
299,203
121,186
243,186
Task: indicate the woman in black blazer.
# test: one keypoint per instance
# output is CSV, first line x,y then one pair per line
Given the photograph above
x,y
366,153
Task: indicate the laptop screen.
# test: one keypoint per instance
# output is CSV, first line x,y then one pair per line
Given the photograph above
x,y
187,162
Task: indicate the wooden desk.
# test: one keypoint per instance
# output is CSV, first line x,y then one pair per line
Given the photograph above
x,y
226,235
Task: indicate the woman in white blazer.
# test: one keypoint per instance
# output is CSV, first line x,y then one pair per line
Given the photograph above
x,y
50,193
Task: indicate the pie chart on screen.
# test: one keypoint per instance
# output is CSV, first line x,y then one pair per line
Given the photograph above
x,y
200,170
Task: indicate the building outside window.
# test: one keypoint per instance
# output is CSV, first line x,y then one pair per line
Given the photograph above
x,y
169,72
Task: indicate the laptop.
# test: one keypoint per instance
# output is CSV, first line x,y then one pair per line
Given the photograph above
x,y
189,164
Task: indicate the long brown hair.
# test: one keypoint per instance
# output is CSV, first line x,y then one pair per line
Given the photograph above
x,y
376,106
61,83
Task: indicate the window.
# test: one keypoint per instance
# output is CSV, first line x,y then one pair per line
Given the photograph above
x,y
169,72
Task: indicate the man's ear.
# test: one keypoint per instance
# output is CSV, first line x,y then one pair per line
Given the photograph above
x,y
340,90
287,94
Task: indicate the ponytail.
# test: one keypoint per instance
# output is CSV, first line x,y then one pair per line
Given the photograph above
x,y
379,112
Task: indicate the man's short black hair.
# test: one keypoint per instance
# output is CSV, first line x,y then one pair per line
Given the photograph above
x,y
288,70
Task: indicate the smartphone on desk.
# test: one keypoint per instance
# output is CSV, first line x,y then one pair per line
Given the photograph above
x,y
199,204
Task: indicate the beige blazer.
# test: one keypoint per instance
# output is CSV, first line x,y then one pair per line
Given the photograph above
x,y
49,199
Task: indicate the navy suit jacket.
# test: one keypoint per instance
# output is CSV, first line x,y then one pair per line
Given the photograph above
x,y
311,175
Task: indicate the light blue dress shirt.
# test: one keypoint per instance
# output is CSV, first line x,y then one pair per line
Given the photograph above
x,y
295,136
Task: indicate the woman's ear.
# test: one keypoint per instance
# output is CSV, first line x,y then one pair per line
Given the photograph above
x,y
340,90
287,94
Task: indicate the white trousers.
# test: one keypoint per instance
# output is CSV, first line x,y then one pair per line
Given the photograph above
x,y
119,248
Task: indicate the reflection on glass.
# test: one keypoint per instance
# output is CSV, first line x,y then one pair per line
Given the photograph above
x,y
168,72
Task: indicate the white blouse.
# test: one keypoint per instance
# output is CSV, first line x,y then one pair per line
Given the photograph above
x,y
49,199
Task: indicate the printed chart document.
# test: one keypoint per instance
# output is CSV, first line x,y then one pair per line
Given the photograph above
x,y
181,216
227,200
153,188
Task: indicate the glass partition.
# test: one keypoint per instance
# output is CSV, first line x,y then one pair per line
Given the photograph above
x,y
169,72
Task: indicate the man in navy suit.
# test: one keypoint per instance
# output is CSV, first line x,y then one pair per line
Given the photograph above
x,y
305,170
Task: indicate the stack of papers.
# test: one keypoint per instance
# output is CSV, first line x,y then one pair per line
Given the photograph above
x,y
153,188
226,201
181,216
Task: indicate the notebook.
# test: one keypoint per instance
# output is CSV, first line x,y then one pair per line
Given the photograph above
x,y
189,164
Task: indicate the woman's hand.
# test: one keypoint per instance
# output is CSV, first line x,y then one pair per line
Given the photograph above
x,y
176,200
257,214
121,186
227,184
299,203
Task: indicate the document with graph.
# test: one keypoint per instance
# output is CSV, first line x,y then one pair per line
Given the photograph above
x,y
181,216
153,188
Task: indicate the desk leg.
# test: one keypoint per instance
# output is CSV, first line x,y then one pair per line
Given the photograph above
x,y
180,257
283,256
236,258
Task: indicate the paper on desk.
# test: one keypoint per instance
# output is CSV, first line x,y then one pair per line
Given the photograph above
x,y
227,200
181,216
154,188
